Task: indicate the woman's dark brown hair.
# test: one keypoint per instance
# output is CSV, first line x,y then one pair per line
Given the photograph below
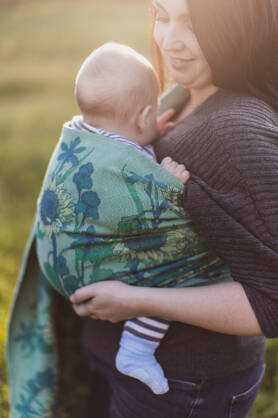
x,y
239,39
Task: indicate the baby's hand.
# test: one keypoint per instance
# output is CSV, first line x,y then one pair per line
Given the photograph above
x,y
163,123
178,170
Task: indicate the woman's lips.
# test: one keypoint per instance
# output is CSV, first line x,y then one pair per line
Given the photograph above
x,y
179,63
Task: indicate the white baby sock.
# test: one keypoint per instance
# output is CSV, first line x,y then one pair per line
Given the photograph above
x,y
136,358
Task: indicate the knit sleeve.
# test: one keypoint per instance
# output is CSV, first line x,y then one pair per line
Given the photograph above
x,y
238,217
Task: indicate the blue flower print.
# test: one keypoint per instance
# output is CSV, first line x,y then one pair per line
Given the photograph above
x,y
49,207
31,406
88,205
61,266
27,337
42,380
56,208
25,409
82,179
154,242
71,284
46,379
67,155
83,242
91,230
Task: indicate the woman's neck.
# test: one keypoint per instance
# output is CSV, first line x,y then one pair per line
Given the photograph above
x,y
196,98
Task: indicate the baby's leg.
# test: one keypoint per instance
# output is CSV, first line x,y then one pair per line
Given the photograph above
x,y
135,358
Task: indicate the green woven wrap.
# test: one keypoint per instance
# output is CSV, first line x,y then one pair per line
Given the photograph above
x,y
106,211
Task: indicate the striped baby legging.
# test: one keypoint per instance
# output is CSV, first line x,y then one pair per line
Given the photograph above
x,y
151,329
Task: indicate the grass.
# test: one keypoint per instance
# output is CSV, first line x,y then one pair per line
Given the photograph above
x,y
42,45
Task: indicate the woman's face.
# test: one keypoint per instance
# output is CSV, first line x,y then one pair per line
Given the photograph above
x,y
174,35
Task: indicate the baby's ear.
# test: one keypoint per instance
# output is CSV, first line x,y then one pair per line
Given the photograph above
x,y
143,118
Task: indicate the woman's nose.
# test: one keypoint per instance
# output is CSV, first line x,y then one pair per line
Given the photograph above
x,y
173,41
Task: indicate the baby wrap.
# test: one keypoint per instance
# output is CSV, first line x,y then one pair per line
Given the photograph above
x,y
105,212
108,212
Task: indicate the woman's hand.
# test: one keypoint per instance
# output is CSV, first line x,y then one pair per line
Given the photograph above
x,y
111,301
221,307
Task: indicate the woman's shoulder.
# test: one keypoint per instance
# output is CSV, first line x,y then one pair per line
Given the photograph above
x,y
243,134
239,111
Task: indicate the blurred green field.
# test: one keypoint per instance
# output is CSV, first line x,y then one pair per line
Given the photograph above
x,y
42,44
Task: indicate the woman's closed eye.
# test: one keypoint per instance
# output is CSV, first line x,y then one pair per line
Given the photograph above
x,y
161,18
187,23
160,14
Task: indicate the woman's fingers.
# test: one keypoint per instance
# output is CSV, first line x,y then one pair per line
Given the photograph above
x,y
83,309
84,293
109,300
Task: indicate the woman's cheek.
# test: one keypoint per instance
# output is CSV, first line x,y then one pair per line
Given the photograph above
x,y
158,35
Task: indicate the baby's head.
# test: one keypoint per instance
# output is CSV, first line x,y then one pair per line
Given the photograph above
x,y
117,90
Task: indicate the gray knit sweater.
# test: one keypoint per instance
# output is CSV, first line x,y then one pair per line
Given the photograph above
x,y
230,146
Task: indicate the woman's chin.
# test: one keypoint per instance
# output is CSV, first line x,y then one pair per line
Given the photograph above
x,y
182,79
190,81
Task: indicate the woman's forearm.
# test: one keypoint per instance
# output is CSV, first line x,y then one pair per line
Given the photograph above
x,y
222,308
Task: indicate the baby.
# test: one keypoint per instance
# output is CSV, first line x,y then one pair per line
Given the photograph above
x,y
117,93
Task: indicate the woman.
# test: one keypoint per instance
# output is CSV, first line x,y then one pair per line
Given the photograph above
x,y
224,52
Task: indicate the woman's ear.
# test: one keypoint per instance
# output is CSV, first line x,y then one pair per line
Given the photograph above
x,y
143,118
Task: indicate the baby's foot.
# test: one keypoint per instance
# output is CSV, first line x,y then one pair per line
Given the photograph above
x,y
144,367
178,170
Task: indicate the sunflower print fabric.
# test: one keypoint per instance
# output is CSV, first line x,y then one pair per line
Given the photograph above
x,y
105,212
108,212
